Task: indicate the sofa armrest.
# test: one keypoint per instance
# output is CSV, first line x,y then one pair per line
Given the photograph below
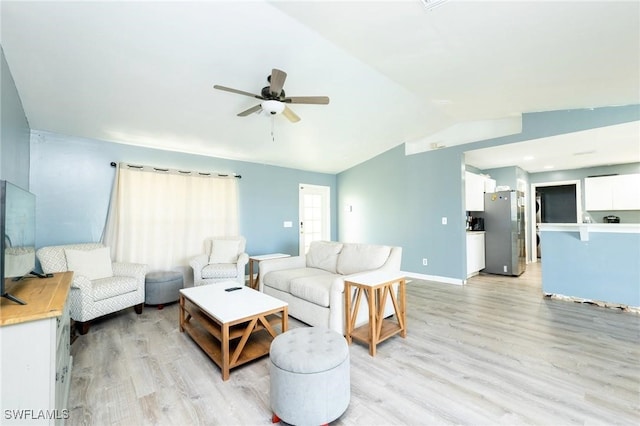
x,y
82,282
127,269
243,259
197,263
279,264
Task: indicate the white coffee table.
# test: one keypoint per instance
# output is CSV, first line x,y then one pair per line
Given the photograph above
x,y
234,327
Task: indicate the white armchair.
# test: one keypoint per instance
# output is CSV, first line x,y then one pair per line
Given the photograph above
x,y
99,286
224,260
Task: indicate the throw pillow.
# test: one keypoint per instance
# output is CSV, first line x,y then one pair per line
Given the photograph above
x,y
362,257
324,255
93,264
224,251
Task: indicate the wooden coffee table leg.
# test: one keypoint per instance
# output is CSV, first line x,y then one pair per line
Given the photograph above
x,y
285,319
225,351
181,313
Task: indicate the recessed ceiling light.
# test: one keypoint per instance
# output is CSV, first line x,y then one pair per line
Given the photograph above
x,y
548,167
528,157
593,151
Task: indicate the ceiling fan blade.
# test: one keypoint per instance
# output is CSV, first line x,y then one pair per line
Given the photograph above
x,y
239,92
251,110
290,115
277,81
320,100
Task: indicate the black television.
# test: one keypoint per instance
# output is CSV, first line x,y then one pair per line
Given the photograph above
x,y
18,230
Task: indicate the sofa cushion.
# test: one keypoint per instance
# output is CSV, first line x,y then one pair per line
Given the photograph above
x,y
220,270
356,258
313,289
106,288
93,264
324,255
224,251
281,279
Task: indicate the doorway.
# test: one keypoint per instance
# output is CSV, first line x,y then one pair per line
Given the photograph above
x,y
554,202
315,218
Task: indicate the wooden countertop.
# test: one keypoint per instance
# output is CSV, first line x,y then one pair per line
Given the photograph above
x,y
45,298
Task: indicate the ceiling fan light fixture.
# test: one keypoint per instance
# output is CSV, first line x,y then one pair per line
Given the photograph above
x,y
272,107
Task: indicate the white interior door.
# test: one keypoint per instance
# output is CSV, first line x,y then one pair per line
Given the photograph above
x,y
315,217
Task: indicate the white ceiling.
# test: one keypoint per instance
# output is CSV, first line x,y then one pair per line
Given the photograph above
x,y
601,146
142,72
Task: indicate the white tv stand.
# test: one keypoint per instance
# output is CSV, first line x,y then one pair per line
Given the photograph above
x,y
36,359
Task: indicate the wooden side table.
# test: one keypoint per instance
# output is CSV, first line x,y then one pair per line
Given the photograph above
x,y
377,287
253,282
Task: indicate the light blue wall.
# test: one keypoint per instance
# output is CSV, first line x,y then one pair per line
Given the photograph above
x,y
605,268
626,216
14,131
401,200
508,176
416,191
72,180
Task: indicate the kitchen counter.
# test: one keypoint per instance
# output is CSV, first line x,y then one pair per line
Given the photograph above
x,y
586,228
592,261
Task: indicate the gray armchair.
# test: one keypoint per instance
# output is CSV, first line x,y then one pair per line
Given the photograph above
x,y
99,286
224,260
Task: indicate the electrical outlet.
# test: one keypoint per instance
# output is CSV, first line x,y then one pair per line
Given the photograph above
x,y
425,262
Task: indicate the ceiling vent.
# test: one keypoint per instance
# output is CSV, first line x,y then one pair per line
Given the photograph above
x,y
432,4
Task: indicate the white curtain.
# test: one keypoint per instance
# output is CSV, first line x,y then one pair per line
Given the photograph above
x,y
161,218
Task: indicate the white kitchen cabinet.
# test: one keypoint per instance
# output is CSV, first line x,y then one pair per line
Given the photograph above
x,y
489,185
626,192
474,192
36,360
619,192
475,253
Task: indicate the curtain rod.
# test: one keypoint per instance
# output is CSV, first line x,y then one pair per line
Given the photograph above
x,y
184,172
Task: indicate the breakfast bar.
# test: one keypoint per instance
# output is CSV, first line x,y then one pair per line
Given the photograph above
x,y
592,262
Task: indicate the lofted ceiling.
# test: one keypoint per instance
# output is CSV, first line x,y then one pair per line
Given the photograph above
x,y
142,73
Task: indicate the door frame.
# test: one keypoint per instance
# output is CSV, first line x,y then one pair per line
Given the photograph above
x,y
532,255
325,191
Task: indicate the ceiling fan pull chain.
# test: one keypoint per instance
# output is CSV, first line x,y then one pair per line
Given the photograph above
x,y
273,138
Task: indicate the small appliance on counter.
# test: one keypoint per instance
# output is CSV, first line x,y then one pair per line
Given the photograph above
x,y
476,224
611,219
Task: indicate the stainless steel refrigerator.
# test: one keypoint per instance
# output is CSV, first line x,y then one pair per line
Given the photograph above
x,y
505,248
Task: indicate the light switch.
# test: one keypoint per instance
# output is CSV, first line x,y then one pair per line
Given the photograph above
x,y
444,220
288,224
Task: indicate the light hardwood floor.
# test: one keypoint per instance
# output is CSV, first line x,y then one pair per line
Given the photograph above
x,y
492,352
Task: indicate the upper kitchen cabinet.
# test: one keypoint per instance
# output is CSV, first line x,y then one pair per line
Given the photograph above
x,y
618,192
474,188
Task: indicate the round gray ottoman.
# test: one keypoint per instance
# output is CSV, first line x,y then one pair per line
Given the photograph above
x,y
162,287
310,382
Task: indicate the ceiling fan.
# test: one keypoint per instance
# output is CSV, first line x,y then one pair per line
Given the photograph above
x,y
274,99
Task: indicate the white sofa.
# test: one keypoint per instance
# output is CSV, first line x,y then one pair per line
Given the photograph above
x,y
313,285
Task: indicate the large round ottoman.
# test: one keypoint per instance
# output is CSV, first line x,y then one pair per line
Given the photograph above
x,y
310,382
162,287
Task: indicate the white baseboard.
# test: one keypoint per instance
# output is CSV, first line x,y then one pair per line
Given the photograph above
x,y
446,280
